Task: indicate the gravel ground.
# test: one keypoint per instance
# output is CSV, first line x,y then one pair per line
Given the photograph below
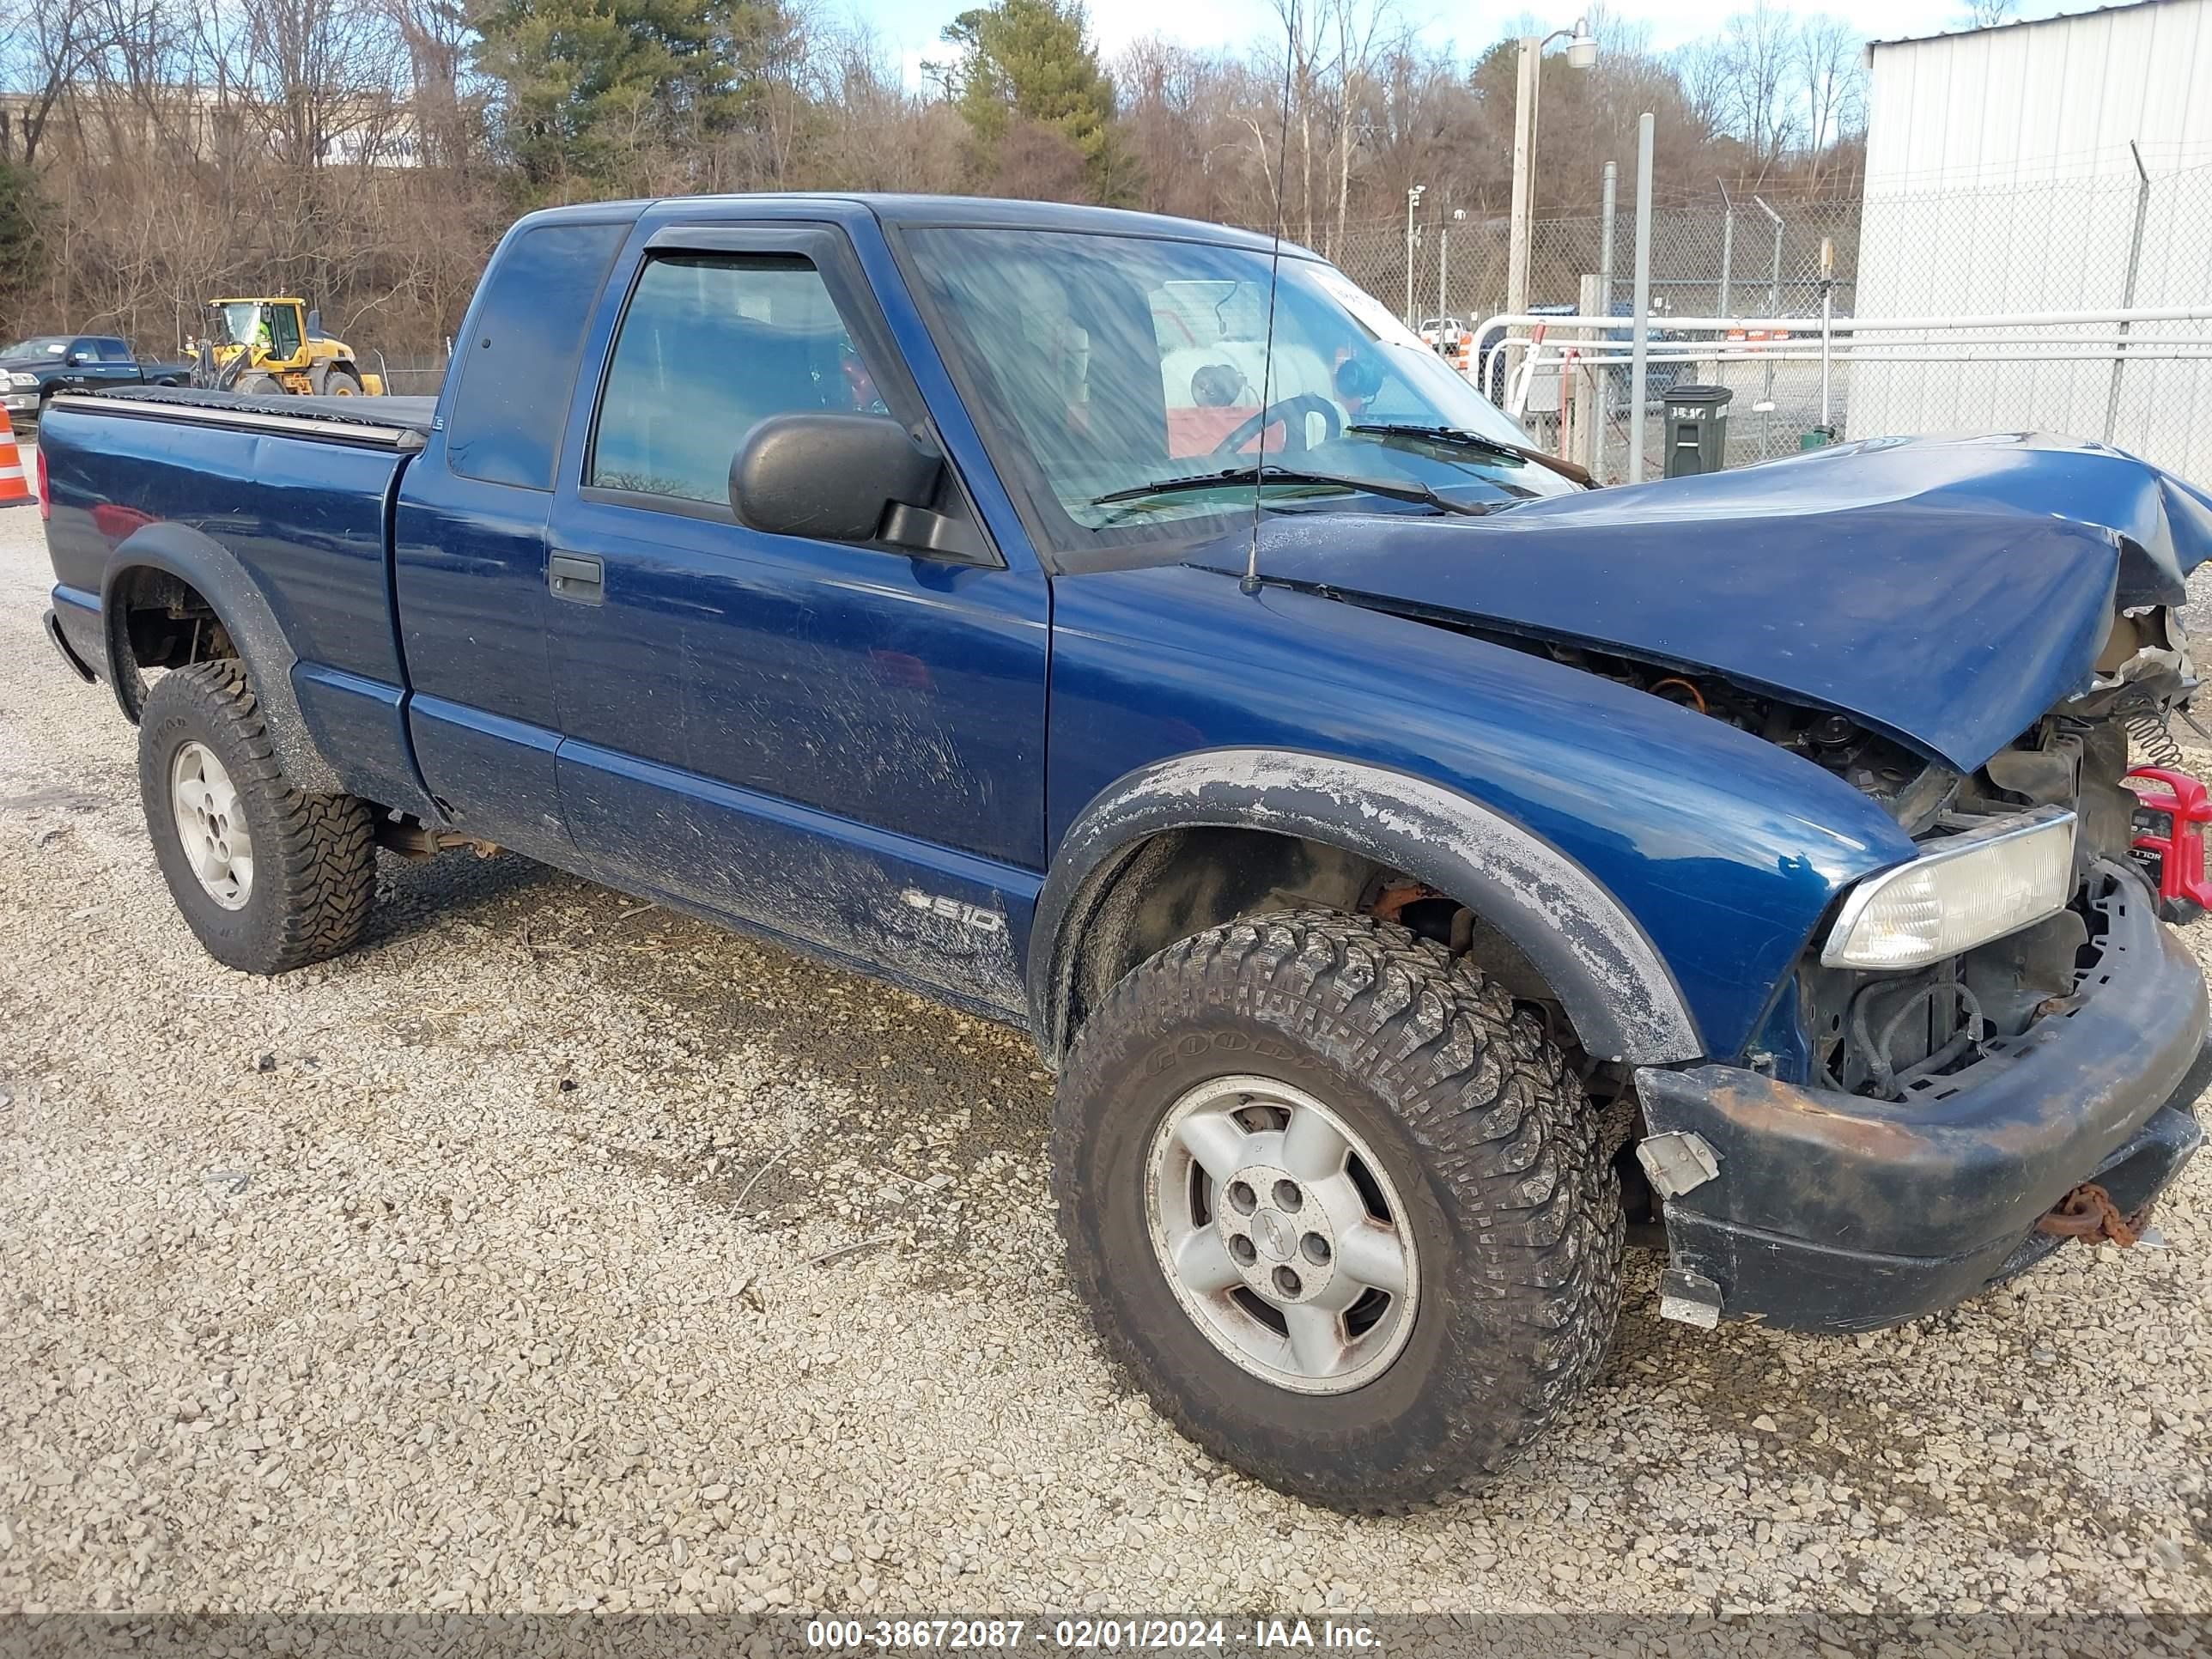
x,y
552,1251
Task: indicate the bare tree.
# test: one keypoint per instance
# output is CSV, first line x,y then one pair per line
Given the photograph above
x,y
1358,24
357,150
1829,66
1759,46
47,45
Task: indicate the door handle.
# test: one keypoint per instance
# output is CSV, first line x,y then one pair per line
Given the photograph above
x,y
579,580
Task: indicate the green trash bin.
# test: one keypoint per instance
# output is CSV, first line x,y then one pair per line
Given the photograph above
x,y
1696,429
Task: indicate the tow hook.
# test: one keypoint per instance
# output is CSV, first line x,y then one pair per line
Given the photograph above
x,y
2088,1213
2183,894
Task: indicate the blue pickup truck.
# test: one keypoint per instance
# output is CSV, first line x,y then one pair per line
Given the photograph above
x,y
1421,872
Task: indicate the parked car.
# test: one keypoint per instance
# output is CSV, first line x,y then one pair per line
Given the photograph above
x,y
32,371
1446,336
1415,866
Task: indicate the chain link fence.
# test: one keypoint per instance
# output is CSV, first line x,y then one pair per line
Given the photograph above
x,y
2076,245
418,376
2140,242
1751,255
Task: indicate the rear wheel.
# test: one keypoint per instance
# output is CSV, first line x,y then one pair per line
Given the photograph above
x,y
1337,1206
268,877
341,381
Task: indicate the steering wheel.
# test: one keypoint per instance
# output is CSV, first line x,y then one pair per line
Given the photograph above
x,y
1291,412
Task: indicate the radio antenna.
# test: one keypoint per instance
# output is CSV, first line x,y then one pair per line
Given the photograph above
x,y
1251,582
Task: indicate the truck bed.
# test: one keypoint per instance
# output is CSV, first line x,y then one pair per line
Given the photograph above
x,y
277,510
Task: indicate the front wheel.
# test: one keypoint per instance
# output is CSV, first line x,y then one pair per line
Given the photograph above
x,y
1337,1207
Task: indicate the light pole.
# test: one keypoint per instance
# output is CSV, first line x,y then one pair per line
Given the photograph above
x,y
1582,53
1413,193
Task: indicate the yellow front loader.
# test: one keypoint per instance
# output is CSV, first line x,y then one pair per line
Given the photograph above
x,y
270,346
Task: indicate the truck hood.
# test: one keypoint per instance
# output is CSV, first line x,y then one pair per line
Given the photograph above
x,y
1947,591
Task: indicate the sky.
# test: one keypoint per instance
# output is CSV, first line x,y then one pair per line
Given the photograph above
x,y
908,29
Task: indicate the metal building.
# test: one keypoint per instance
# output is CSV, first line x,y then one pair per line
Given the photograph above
x,y
2059,165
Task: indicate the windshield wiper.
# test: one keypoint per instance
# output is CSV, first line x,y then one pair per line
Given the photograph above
x,y
1269,472
1453,437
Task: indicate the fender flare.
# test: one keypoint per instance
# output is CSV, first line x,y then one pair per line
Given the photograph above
x,y
1619,993
215,574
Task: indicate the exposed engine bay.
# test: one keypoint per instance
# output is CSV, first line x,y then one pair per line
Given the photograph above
x,y
1889,1035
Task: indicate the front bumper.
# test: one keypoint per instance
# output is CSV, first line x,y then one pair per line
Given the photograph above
x,y
1833,1212
19,403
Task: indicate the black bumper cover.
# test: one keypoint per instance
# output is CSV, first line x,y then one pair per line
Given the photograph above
x,y
77,665
1833,1212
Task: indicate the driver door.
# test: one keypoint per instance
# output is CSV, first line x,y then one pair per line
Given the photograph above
x,y
284,342
842,743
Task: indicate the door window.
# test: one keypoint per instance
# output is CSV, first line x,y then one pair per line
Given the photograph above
x,y
283,332
711,345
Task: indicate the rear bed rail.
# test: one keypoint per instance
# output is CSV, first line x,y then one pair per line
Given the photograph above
x,y
367,423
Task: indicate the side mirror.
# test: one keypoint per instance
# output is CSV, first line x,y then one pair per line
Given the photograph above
x,y
833,478
74,360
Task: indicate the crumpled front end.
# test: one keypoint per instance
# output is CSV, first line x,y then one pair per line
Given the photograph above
x,y
1818,1209
1995,1030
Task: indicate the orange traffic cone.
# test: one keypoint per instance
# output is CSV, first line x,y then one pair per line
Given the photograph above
x,y
15,488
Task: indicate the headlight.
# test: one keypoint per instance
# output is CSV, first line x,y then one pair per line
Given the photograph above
x,y
1959,893
23,380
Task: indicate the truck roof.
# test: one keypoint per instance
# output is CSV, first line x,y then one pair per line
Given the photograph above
x,y
997,212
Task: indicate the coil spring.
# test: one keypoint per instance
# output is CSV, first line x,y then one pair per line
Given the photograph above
x,y
2148,729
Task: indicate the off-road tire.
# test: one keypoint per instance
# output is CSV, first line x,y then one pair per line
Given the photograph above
x,y
1516,1210
314,855
337,380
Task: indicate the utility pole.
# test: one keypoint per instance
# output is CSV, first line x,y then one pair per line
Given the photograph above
x,y
1727,246
1641,337
1605,240
1582,53
1413,193
1524,183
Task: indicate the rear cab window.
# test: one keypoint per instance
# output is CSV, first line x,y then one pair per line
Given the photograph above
x,y
518,363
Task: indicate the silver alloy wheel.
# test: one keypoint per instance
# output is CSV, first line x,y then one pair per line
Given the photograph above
x,y
211,825
1281,1234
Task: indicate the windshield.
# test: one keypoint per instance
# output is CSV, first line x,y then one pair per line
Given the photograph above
x,y
1104,364
238,319
39,345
